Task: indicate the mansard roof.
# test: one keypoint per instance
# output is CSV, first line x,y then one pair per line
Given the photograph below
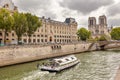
x,y
66,22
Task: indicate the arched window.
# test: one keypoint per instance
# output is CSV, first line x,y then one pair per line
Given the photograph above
x,y
0,33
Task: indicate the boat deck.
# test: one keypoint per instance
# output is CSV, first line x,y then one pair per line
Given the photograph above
x,y
59,68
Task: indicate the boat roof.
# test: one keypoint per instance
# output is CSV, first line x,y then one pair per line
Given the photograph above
x,y
65,59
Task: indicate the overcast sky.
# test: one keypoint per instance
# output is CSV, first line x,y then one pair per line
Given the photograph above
x,y
78,9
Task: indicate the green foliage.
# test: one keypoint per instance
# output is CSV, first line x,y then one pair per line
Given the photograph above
x,y
84,34
33,23
115,33
20,24
102,38
6,22
92,39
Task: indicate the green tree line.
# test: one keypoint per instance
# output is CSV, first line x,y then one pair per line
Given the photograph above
x,y
115,33
20,23
84,34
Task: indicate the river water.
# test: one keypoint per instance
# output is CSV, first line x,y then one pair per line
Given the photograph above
x,y
97,65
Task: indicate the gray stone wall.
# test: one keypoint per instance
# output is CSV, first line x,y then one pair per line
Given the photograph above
x,y
15,55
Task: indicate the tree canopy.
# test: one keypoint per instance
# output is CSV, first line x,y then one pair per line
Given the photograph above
x,y
6,22
115,33
33,23
20,25
83,34
102,38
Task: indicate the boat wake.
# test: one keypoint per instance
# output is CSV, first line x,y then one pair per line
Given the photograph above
x,y
35,75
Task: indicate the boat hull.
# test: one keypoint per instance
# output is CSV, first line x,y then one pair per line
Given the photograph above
x,y
60,68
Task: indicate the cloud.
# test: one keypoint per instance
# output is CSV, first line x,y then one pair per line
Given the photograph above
x,y
85,6
114,9
114,22
37,7
78,9
30,4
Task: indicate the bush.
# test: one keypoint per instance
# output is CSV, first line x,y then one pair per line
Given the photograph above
x,y
102,38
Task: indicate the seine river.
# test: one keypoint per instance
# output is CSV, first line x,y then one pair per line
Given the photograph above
x,y
98,65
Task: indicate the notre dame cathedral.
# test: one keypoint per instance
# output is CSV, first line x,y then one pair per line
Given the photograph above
x,y
98,29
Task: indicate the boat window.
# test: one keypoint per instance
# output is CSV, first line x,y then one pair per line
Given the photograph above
x,y
67,59
72,58
60,61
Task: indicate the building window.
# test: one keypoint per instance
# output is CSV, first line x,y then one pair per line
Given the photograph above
x,y
41,30
34,40
41,40
0,34
102,21
97,31
65,40
55,40
45,30
41,35
13,34
38,40
60,40
34,35
45,40
25,40
45,35
30,40
91,22
7,34
38,35
0,40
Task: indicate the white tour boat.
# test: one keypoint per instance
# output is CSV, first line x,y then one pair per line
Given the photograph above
x,y
61,63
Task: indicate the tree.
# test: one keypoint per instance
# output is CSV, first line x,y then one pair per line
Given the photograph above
x,y
6,22
20,25
115,33
83,33
102,38
33,24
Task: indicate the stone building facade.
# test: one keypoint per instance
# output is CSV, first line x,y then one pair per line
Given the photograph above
x,y
50,31
98,29
54,31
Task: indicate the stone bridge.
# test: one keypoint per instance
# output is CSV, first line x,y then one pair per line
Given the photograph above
x,y
103,44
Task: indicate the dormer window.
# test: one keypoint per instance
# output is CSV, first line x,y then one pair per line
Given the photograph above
x,y
15,8
6,6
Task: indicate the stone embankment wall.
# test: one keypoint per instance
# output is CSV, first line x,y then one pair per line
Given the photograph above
x,y
112,45
20,54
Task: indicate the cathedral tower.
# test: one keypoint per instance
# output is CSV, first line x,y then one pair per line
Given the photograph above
x,y
98,29
92,24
